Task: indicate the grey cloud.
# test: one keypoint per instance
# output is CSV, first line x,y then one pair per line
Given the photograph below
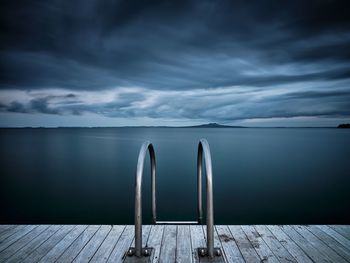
x,y
318,94
16,106
41,105
259,46
103,44
36,105
125,99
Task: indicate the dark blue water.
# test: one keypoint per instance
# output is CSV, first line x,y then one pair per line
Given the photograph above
x,y
82,175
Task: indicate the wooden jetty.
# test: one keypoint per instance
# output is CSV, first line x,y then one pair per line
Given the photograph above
x,y
175,243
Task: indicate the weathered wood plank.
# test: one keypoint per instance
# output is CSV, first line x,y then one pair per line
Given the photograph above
x,y
146,230
315,254
330,241
343,230
51,242
8,233
61,246
231,250
73,250
127,240
183,244
168,248
319,245
21,254
246,248
155,241
261,248
94,243
290,245
330,231
21,242
217,243
108,244
16,236
276,247
122,245
4,228
197,240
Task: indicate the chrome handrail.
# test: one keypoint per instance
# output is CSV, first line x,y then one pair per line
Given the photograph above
x,y
138,196
203,146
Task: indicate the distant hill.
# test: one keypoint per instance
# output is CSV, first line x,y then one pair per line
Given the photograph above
x,y
344,125
213,125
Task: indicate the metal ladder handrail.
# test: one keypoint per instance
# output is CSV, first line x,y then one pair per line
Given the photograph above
x,y
138,190
203,146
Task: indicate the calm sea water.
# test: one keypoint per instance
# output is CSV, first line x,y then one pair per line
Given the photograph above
x,y
86,175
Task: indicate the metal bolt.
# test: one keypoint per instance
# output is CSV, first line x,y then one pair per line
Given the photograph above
x,y
202,252
218,252
130,252
146,252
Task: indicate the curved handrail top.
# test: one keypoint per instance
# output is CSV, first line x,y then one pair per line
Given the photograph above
x,y
204,146
147,145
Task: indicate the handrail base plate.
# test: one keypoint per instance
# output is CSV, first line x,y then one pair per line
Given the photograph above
x,y
203,255
143,259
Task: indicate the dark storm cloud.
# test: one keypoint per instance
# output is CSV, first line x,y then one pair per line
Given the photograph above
x,y
158,46
15,106
41,104
164,44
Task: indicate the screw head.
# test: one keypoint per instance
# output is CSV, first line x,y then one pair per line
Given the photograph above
x,y
130,252
146,252
202,252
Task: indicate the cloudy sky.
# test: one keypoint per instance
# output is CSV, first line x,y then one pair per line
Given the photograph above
x,y
115,63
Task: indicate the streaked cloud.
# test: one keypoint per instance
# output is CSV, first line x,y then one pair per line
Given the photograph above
x,y
223,104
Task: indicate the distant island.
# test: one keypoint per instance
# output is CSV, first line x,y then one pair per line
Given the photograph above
x,y
344,125
212,125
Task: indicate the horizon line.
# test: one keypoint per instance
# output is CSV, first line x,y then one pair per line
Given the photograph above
x,y
160,126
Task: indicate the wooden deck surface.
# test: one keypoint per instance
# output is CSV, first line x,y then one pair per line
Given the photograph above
x,y
172,243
